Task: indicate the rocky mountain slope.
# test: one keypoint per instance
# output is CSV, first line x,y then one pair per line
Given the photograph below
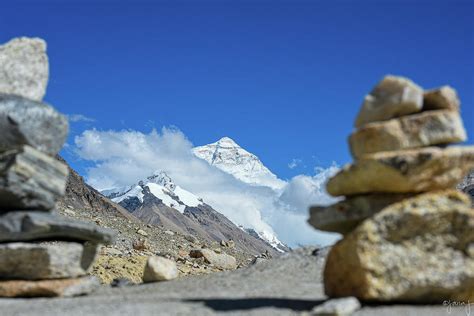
x,y
138,240
81,196
158,201
228,156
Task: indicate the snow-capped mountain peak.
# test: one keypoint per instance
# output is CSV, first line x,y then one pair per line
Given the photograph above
x,y
162,187
228,156
162,178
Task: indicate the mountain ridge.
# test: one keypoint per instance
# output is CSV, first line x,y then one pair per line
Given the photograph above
x,y
157,200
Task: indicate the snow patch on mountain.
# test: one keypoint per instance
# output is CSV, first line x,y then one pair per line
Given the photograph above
x,y
162,187
268,237
119,195
229,157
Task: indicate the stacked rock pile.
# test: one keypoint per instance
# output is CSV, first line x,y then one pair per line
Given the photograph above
x,y
41,253
408,235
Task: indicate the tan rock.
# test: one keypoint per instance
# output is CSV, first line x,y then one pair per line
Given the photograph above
x,y
140,244
159,269
407,171
418,250
444,97
48,288
411,131
24,68
142,232
219,260
344,216
392,97
33,261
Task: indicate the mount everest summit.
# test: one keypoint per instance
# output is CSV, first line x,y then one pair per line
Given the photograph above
x,y
229,157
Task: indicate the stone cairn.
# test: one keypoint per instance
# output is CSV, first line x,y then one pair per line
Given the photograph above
x,y
41,253
408,235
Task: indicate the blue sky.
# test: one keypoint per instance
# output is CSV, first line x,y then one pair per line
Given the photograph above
x,y
283,79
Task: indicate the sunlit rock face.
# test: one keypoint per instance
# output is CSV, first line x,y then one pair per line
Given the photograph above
x,y
24,68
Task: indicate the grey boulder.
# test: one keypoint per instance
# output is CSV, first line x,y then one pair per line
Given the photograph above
x,y
24,68
27,122
37,225
29,179
219,260
35,261
159,269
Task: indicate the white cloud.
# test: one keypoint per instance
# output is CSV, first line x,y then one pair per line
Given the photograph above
x,y
124,157
294,163
79,118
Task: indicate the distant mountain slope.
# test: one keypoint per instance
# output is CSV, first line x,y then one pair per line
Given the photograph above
x,y
157,200
228,156
79,195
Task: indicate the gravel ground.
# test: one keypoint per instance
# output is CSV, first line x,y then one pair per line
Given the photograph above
x,y
288,285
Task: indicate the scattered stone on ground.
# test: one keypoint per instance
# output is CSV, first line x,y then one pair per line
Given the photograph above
x,y
260,258
444,97
159,269
27,122
392,97
140,244
412,131
406,171
344,306
24,68
142,232
158,242
229,243
191,239
49,288
220,260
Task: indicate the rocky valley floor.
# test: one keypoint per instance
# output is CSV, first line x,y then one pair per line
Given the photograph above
x,y
288,285
122,261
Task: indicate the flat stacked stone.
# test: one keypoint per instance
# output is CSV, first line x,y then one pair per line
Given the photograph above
x,y
41,253
408,235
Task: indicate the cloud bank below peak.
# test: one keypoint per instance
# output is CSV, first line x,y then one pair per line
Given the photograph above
x,y
121,158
